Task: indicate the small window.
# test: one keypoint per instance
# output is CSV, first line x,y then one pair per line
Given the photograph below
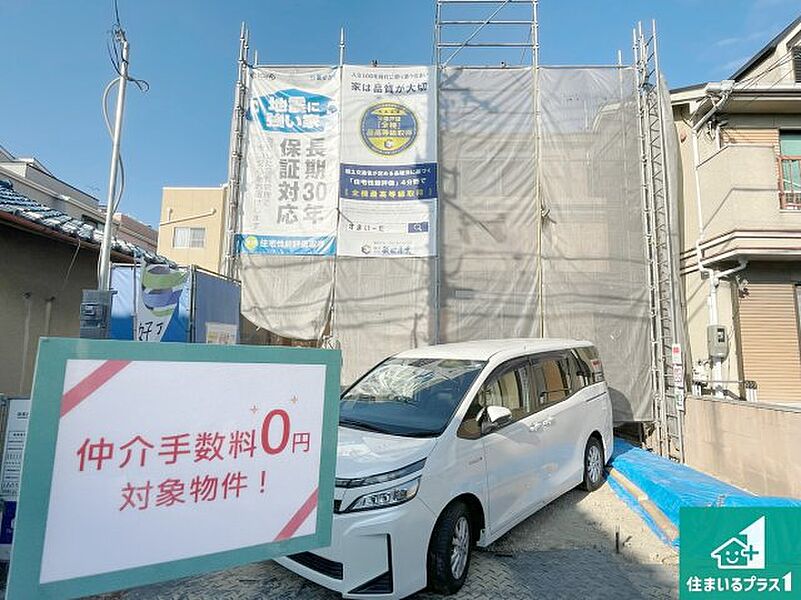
x,y
91,221
189,237
551,381
797,63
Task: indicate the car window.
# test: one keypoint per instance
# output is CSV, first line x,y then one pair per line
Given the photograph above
x,y
551,381
589,356
510,388
413,397
580,373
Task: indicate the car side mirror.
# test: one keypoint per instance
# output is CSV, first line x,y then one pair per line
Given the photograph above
x,y
493,417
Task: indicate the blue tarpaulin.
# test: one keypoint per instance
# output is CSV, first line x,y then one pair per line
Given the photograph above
x,y
670,485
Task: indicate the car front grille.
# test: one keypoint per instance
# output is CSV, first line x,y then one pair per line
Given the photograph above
x,y
380,585
326,567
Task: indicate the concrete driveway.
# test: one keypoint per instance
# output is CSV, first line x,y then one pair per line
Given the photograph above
x,y
566,550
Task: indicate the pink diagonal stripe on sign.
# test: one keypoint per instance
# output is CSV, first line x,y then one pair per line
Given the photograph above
x,y
297,519
90,383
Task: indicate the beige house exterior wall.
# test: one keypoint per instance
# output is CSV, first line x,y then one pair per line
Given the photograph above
x,y
741,218
775,69
38,276
193,207
697,320
739,182
750,445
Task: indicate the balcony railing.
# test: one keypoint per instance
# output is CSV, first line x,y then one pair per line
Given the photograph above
x,y
790,182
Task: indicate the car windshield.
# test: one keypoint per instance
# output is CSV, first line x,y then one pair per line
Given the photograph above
x,y
413,397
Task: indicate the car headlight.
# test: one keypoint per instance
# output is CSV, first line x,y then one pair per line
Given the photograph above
x,y
381,477
403,492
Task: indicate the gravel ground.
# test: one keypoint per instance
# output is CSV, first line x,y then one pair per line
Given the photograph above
x,y
566,550
581,520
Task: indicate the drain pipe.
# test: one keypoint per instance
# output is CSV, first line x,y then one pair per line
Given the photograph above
x,y
724,88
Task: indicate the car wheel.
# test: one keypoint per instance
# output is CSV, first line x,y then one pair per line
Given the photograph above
x,y
594,473
449,550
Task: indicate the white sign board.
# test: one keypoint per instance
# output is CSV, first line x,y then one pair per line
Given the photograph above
x,y
189,455
221,333
678,376
16,430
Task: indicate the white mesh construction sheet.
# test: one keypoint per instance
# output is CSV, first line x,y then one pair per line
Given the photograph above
x,y
383,306
594,271
287,295
487,199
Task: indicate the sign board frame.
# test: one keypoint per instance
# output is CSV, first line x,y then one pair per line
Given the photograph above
x,y
40,454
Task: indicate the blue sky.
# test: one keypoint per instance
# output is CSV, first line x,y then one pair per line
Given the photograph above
x,y
54,66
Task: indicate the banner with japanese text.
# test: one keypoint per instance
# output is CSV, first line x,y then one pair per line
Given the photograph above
x,y
158,294
148,455
290,172
388,173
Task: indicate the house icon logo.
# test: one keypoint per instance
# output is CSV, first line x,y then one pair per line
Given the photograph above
x,y
745,550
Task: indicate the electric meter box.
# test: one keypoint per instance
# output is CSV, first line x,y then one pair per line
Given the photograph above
x,y
717,341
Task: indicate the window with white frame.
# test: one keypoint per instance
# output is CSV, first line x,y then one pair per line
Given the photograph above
x,y
189,237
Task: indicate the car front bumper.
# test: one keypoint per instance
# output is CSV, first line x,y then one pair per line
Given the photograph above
x,y
373,554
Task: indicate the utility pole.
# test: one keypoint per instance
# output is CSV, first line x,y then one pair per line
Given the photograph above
x,y
104,273
95,317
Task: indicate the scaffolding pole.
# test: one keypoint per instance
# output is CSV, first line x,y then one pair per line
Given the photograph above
x,y
657,229
535,61
236,154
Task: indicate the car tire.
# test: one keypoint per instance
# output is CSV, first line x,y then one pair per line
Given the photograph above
x,y
594,463
450,549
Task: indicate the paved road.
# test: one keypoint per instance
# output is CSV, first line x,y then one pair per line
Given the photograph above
x,y
565,551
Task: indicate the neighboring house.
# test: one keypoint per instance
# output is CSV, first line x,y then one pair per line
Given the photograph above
x,y
192,227
49,257
32,179
132,230
748,156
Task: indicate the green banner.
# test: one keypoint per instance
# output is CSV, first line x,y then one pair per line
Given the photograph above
x,y
740,552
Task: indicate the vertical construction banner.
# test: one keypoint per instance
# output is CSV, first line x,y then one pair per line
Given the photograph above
x,y
289,182
388,175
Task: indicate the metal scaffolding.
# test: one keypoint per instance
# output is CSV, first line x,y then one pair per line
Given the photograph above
x,y
658,232
459,26
452,39
496,35
236,154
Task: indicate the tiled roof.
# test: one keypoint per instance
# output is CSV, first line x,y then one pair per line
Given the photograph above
x,y
14,203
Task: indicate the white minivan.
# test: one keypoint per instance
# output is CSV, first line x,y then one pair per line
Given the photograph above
x,y
445,447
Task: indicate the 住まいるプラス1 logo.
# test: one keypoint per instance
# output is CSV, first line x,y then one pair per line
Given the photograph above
x,y
740,552
746,550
